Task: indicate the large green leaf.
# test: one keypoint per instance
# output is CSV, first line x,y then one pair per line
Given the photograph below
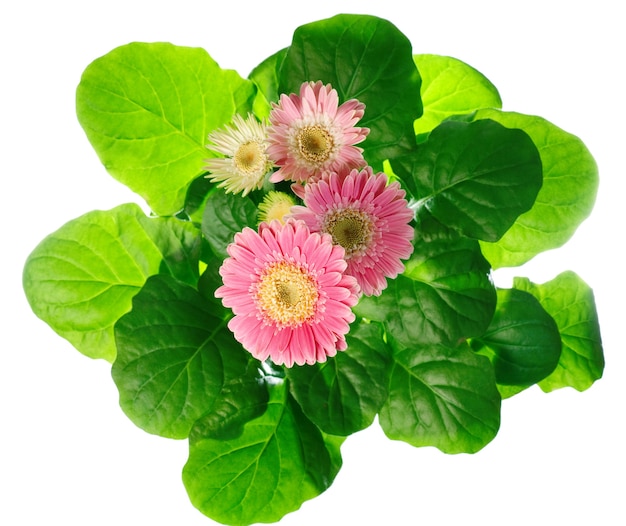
x,y
81,279
451,87
570,184
279,461
445,294
224,216
177,360
522,341
442,397
570,301
344,394
476,178
366,58
147,110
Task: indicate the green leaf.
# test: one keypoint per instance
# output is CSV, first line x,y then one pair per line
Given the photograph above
x,y
344,394
445,294
81,279
333,446
570,301
451,87
507,391
177,360
224,216
522,341
366,58
210,278
147,110
265,76
197,194
280,461
476,178
570,185
442,397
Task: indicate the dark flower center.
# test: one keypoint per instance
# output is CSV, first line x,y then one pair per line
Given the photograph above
x,y
315,143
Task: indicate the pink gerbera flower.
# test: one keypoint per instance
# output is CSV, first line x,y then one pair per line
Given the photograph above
x,y
311,133
367,217
287,288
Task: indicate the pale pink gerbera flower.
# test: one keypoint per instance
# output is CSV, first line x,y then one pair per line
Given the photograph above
x,y
310,133
287,288
367,217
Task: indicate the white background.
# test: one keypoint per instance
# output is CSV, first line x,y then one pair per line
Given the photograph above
x,y
68,455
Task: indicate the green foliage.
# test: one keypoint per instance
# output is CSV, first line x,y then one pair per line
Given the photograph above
x,y
570,301
224,216
147,110
570,184
441,397
177,361
279,461
444,296
522,340
344,394
265,76
432,355
476,178
81,279
451,87
366,58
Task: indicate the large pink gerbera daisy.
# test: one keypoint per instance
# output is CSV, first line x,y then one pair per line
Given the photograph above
x,y
367,217
288,291
310,133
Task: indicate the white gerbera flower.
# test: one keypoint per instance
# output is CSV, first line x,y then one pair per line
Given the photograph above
x,y
246,162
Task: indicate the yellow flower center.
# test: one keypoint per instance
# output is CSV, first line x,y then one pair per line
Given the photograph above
x,y
315,143
352,229
287,294
250,158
